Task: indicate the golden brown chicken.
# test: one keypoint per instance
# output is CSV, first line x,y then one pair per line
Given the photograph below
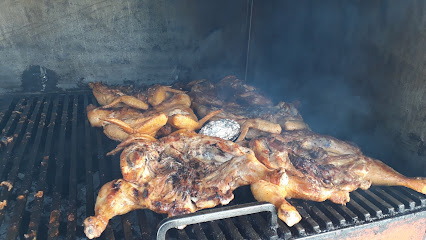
x,y
118,124
319,168
178,174
118,96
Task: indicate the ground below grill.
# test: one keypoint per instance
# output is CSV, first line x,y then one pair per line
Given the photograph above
x,y
56,163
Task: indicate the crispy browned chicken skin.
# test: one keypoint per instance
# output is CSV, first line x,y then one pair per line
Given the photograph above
x,y
243,103
319,168
181,173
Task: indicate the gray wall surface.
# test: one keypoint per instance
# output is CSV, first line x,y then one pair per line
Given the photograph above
x,y
358,69
113,41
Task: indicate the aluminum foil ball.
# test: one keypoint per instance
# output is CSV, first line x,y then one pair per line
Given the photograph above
x,y
224,128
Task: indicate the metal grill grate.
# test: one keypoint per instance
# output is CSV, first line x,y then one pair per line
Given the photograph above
x,y
56,163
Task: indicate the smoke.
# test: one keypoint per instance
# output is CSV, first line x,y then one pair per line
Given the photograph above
x,y
326,56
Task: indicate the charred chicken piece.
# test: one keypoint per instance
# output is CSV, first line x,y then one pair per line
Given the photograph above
x,y
242,103
319,168
110,97
178,174
228,90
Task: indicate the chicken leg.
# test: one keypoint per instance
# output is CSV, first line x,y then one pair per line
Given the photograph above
x,y
115,198
275,194
381,174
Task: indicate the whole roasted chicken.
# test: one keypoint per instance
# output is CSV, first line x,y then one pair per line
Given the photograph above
x,y
319,168
243,103
181,173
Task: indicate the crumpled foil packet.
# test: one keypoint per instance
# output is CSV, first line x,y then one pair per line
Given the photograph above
x,y
224,128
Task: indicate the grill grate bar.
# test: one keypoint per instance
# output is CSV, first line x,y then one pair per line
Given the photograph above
x,y
104,175
339,219
368,205
246,228
350,216
404,199
353,205
283,231
8,130
216,232
232,229
37,206
16,156
88,165
313,225
72,211
55,214
262,226
418,198
15,114
23,191
389,209
393,201
199,232
322,220
299,230
6,115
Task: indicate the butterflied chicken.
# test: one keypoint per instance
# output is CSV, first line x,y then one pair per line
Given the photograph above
x,y
119,124
243,103
158,96
319,168
119,96
178,174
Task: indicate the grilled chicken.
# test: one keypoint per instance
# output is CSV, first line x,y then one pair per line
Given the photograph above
x,y
178,174
119,96
319,168
158,96
242,103
118,124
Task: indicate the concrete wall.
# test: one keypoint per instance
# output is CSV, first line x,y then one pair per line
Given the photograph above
x,y
113,41
358,69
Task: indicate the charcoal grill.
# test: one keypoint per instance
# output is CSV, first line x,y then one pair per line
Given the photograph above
x,y
56,163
